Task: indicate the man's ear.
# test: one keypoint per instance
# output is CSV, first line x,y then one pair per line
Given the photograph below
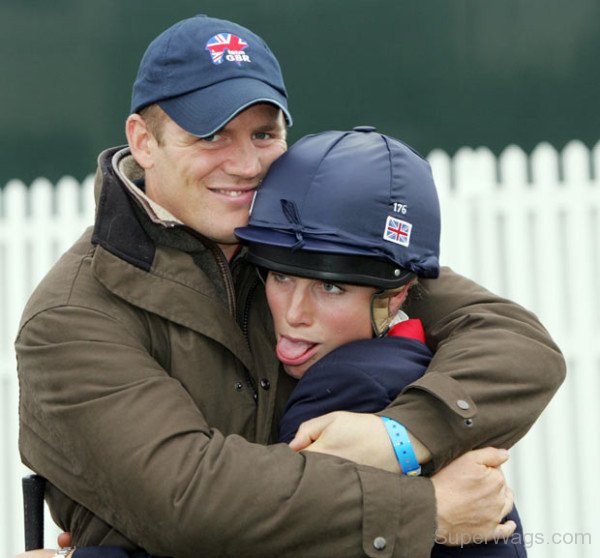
x,y
396,301
140,140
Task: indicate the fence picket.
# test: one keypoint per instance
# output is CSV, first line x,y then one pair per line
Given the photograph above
x,y
514,225
68,193
487,215
40,237
441,168
547,300
596,163
464,221
576,165
88,205
14,236
14,285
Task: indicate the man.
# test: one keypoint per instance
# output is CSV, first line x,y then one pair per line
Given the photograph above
x,y
149,385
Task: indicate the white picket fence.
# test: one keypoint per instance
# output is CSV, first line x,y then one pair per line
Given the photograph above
x,y
529,228
525,227
36,226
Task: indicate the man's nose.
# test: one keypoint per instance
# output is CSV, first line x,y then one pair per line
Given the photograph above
x,y
244,160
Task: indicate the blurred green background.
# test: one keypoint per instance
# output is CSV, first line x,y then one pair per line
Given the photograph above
x,y
437,73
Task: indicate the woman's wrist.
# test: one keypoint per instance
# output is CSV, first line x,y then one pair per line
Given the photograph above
x,y
403,448
65,552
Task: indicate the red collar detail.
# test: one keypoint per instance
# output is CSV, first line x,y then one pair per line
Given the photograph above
x,y
413,329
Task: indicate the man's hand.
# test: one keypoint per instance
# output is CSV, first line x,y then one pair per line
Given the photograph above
x,y
359,437
472,498
64,540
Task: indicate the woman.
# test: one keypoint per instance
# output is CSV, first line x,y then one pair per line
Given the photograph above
x,y
341,228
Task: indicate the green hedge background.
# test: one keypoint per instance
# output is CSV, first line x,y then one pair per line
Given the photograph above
x,y
436,73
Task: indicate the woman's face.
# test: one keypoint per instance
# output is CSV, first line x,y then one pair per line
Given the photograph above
x,y
313,317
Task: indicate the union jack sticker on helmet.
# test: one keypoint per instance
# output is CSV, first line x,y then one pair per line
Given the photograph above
x,y
397,231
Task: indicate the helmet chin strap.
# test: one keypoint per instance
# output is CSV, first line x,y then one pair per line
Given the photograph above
x,y
382,318
380,314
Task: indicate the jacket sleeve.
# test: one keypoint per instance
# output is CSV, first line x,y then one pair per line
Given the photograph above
x,y
114,432
494,369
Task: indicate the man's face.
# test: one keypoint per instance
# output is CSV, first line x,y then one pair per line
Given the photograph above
x,y
314,317
208,183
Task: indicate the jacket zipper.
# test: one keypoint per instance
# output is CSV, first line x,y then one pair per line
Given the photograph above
x,y
246,314
227,276
223,265
244,326
250,383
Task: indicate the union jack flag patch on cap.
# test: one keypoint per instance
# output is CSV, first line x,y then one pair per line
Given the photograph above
x,y
397,231
234,46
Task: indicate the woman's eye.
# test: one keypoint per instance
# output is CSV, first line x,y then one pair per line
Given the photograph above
x,y
279,277
332,289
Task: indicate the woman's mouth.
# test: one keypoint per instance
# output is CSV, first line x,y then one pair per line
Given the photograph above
x,y
293,352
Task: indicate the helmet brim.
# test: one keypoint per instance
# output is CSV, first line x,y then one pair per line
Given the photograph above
x,y
284,239
328,266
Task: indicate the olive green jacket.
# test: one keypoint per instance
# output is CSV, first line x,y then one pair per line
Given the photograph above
x,y
149,391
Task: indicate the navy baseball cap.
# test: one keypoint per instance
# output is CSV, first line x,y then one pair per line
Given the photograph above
x,y
355,206
204,71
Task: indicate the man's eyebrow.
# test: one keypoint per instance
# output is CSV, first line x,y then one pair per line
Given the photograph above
x,y
271,125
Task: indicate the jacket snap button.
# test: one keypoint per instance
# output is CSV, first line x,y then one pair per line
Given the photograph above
x,y
265,384
238,386
379,543
462,404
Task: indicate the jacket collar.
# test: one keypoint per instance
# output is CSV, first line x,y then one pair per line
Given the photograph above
x,y
131,175
117,228
178,292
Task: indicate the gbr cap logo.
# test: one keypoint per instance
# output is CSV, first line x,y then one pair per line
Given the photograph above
x,y
229,47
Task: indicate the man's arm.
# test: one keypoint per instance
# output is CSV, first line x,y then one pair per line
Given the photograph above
x,y
473,477
494,370
113,431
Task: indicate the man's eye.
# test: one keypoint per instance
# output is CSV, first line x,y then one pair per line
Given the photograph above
x,y
262,135
212,138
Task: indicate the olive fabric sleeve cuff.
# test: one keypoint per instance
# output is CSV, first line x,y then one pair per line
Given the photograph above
x,y
440,414
398,515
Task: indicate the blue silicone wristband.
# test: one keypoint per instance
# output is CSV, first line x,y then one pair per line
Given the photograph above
x,y
405,454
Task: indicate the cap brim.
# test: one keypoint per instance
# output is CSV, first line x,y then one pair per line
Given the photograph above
x,y
204,111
